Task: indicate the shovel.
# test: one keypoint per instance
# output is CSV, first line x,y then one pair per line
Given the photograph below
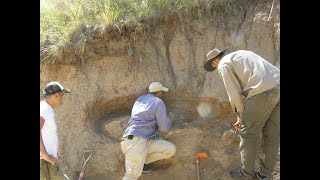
x,y
200,156
86,156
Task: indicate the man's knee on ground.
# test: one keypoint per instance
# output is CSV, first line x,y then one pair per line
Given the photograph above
x,y
170,151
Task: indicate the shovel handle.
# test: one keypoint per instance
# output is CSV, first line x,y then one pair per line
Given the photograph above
x,y
85,160
81,176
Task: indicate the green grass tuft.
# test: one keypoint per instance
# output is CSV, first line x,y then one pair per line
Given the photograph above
x,y
59,17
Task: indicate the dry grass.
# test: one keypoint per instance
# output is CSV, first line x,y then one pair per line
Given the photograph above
x,y
64,24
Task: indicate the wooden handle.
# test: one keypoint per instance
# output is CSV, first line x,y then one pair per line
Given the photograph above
x,y
198,173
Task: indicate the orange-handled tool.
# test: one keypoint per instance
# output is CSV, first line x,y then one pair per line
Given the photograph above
x,y
200,156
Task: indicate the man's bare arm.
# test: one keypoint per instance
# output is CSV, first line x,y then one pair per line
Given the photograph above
x,y
43,152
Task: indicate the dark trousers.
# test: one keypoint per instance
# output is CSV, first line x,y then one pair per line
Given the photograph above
x,y
49,172
261,115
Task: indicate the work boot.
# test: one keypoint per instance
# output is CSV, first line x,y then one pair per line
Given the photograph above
x,y
147,168
261,177
237,174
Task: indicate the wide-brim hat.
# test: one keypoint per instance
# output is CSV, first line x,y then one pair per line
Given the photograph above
x,y
210,56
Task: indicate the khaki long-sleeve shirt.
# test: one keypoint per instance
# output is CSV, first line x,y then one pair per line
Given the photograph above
x,y
245,73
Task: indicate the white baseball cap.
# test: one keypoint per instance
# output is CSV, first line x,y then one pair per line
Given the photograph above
x,y
156,86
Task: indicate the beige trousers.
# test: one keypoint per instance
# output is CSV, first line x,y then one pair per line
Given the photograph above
x,y
139,151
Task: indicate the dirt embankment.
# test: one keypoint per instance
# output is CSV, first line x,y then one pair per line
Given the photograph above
x,y
107,68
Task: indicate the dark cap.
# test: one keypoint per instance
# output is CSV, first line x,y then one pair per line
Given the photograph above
x,y
54,87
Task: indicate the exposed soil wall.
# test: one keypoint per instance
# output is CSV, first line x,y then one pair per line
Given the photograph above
x,y
107,68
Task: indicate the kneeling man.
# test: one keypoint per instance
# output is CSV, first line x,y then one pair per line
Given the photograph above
x,y
140,144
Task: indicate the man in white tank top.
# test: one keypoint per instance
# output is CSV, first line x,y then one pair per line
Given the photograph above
x,y
53,97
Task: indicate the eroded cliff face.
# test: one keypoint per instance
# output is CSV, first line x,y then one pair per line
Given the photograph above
x,y
107,68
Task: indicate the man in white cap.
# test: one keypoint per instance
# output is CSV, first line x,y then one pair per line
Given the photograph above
x,y
140,144
245,73
49,159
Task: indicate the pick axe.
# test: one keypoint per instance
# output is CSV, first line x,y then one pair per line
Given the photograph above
x,y
200,156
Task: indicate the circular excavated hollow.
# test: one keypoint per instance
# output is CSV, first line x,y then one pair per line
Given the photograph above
x,y
184,110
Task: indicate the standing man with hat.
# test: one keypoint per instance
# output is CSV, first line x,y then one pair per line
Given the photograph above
x,y
245,73
49,159
140,144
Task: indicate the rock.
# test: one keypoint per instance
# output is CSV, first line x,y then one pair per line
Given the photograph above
x,y
229,138
115,126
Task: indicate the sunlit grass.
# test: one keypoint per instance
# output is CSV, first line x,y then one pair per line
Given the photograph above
x,y
59,17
